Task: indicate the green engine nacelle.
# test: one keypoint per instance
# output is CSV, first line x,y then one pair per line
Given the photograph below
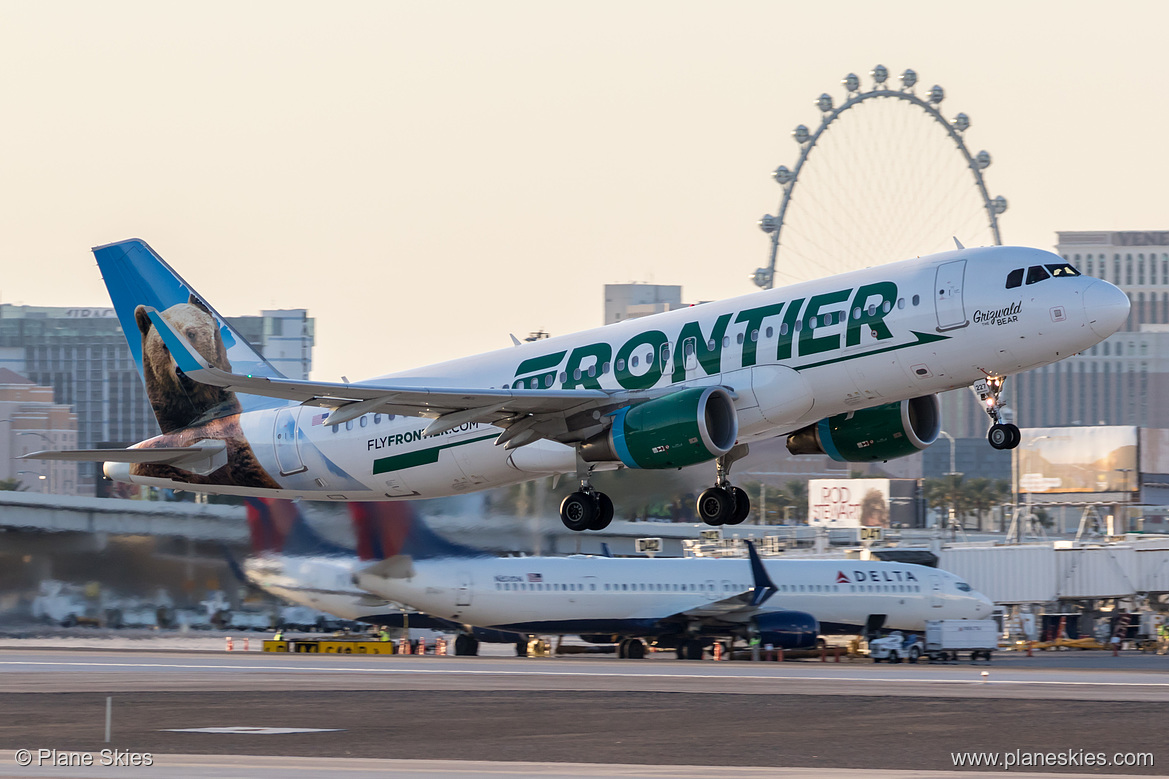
x,y
683,428
878,433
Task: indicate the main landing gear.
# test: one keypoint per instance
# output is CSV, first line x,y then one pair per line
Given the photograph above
x,y
723,504
1000,435
586,509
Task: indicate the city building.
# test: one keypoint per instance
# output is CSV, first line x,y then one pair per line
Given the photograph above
x,y
30,420
1125,379
82,354
629,301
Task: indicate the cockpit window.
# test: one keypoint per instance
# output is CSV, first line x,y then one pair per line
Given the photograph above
x,y
963,586
1036,274
1062,270
1015,278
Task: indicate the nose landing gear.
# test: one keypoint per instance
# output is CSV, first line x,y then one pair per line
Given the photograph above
x,y
724,504
1000,435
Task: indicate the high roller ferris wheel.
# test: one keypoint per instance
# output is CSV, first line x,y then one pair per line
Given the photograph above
x,y
878,181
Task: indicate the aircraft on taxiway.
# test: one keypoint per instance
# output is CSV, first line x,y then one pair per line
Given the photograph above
x,y
848,365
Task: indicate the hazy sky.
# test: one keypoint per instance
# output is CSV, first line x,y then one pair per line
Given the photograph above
x,y
427,177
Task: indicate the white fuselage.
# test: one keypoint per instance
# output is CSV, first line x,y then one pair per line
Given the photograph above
x,y
322,583
599,594
791,356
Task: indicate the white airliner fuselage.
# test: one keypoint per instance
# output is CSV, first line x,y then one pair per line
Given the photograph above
x,y
645,598
788,359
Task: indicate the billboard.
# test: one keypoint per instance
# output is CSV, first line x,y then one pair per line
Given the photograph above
x,y
848,502
1078,459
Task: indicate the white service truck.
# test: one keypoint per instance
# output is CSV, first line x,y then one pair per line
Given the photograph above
x,y
945,638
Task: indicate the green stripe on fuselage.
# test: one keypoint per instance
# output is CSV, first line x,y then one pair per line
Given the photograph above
x,y
922,338
428,456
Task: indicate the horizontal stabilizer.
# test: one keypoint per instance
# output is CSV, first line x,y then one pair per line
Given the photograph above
x,y
397,567
201,458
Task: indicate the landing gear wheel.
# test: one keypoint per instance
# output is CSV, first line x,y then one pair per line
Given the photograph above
x,y
1003,436
604,512
634,649
466,645
742,507
914,654
715,506
1016,436
578,511
692,649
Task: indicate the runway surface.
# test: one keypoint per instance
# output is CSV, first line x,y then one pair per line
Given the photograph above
x,y
694,716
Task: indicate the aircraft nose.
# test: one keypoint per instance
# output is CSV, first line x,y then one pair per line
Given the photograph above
x,y
983,607
1106,307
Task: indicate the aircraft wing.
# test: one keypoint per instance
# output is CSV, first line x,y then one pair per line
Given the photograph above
x,y
540,413
202,457
740,606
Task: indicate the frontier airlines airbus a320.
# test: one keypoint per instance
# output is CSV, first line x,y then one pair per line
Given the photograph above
x,y
848,366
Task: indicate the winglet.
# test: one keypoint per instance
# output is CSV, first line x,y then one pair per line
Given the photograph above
x,y
764,588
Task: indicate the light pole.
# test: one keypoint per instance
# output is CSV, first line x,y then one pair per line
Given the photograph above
x,y
49,441
40,476
1128,491
949,438
952,473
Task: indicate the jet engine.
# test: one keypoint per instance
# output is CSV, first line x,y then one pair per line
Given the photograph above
x,y
683,428
787,629
878,433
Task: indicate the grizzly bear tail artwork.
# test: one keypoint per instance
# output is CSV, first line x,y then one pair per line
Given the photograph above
x,y
187,411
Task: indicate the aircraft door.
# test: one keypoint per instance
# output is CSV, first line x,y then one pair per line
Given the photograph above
x,y
463,594
948,302
667,362
284,438
711,590
935,591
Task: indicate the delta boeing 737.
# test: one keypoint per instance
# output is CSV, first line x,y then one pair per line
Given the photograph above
x,y
847,365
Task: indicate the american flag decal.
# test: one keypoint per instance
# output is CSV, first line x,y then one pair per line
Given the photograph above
x,y
535,577
319,419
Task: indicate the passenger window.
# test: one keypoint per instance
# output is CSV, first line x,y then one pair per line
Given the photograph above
x,y
1015,278
1036,274
1062,270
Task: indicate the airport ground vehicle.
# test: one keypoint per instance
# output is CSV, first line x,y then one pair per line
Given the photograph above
x,y
895,647
946,638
